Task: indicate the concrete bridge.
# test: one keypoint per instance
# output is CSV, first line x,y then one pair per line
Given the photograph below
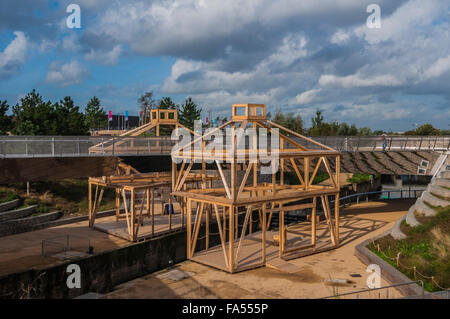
x,y
33,158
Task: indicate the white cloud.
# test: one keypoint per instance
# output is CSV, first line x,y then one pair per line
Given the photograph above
x,y
107,58
351,81
66,74
307,96
14,55
438,68
340,37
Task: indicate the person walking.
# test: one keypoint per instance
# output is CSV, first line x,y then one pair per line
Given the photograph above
x,y
383,139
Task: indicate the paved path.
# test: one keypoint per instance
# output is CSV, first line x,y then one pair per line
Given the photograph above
x,y
362,221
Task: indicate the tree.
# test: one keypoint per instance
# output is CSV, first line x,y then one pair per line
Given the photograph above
x,y
70,121
188,113
426,129
290,121
5,120
33,116
147,103
95,115
166,103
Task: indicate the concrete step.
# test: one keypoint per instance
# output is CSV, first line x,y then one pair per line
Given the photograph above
x,y
446,175
443,182
424,209
433,200
9,205
438,190
411,217
396,233
17,213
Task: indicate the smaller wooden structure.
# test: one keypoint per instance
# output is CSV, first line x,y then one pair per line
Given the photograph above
x,y
158,118
138,219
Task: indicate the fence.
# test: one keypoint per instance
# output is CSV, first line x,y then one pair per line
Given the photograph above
x,y
377,293
384,194
66,246
75,146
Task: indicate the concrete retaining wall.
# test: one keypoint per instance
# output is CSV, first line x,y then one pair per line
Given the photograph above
x,y
389,273
22,225
101,272
17,213
9,205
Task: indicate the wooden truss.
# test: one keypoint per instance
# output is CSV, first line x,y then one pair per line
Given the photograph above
x,y
136,192
243,198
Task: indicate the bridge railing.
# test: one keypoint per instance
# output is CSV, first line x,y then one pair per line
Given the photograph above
x,y
393,143
73,146
80,146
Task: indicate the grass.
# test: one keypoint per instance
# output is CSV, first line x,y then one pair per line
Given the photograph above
x,y
69,196
427,247
7,196
359,178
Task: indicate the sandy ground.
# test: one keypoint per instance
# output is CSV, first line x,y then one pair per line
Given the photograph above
x,y
361,221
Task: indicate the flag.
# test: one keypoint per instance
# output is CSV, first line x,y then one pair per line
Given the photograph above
x,y
126,115
110,116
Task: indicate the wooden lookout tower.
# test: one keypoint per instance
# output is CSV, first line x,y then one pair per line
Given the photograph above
x,y
246,198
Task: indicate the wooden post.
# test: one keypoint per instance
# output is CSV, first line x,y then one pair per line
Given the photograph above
x,y
231,240
281,231
264,223
306,170
208,211
117,204
90,204
313,221
189,225
133,217
153,211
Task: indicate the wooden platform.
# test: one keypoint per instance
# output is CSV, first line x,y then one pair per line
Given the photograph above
x,y
250,255
119,229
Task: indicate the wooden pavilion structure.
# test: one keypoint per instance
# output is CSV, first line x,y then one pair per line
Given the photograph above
x,y
136,192
239,199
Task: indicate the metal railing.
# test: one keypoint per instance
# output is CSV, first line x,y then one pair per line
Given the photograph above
x,y
392,143
75,146
384,194
376,293
81,146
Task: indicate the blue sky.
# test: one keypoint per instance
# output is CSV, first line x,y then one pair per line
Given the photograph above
x,y
299,56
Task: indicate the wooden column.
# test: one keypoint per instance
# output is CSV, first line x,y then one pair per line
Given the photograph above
x,y
90,204
313,223
263,226
231,237
189,230
117,204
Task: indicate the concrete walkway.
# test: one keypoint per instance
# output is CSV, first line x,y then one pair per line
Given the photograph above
x,y
360,221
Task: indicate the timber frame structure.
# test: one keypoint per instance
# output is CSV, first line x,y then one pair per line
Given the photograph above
x,y
158,118
245,197
136,192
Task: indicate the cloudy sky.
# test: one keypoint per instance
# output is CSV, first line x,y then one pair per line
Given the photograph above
x,y
299,56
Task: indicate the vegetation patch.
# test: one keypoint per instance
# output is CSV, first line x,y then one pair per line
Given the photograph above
x,y
424,254
359,178
7,196
69,196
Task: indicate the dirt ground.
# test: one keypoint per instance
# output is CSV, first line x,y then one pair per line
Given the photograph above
x,y
358,222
